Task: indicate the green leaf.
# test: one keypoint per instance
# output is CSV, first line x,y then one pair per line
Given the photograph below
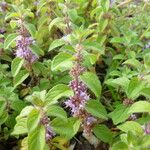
x,y
145,141
56,111
105,4
24,144
20,127
16,66
3,118
41,22
37,50
103,133
66,129
130,137
56,43
139,107
118,40
133,62
37,98
134,88
36,139
20,77
120,114
18,105
54,22
147,35
62,61
102,25
31,28
13,24
131,126
40,5
25,111
92,82
120,146
58,91
73,15
40,68
58,146
94,46
12,15
92,58
9,40
119,57
3,104
121,81
146,92
76,124
33,120
143,119
89,59
96,109
147,60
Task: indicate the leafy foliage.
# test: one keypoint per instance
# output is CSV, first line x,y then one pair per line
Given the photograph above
x,y
93,52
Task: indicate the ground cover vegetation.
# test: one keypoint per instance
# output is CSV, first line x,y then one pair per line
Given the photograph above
x,y
74,75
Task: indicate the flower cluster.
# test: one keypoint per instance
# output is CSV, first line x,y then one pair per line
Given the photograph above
x,y
3,6
49,131
78,101
132,117
23,50
112,2
2,31
127,102
147,128
147,45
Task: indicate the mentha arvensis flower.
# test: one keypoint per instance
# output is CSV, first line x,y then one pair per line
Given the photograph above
x,y
48,129
78,101
23,47
147,128
23,50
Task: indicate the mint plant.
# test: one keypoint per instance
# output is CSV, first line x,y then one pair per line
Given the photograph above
x,y
74,74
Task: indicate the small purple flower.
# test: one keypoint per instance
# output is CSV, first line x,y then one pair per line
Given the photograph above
x,y
77,102
49,132
77,86
77,70
112,2
147,45
132,117
147,128
90,120
36,3
3,6
70,103
2,31
84,96
23,50
88,123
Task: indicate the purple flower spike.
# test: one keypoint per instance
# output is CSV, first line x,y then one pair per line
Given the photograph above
x,y
77,102
49,133
147,128
90,120
24,42
23,50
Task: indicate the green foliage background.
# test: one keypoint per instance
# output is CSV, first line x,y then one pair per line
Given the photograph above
x,y
116,48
